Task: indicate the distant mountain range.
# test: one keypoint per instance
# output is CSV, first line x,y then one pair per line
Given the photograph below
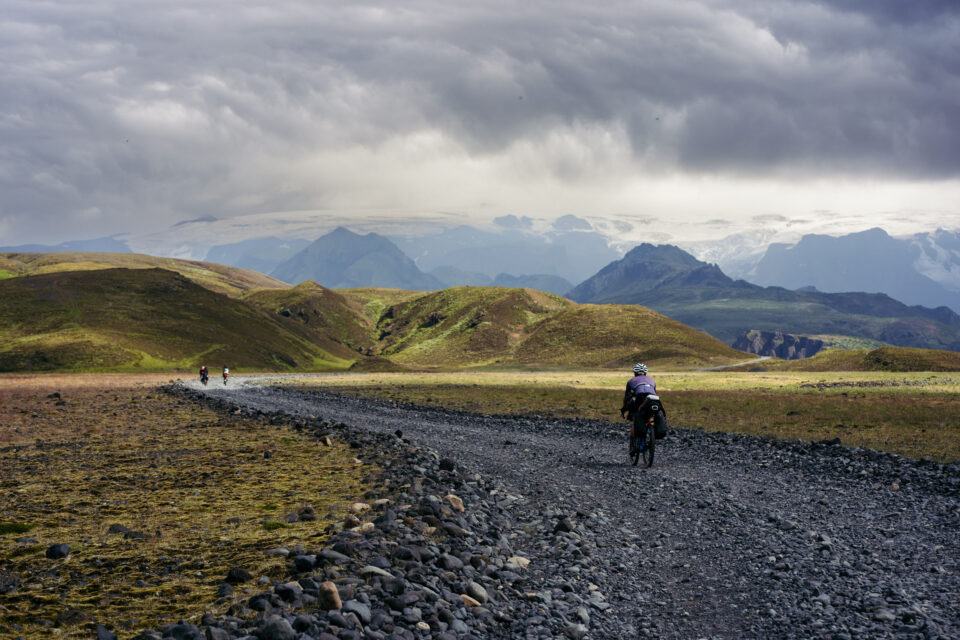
x,y
669,280
343,259
870,261
571,249
919,269
108,244
260,254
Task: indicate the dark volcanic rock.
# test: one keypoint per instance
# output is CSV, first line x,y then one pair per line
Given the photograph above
x,y
57,551
237,575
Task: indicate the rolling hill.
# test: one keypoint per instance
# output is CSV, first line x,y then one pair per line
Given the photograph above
x,y
671,281
141,319
230,281
93,318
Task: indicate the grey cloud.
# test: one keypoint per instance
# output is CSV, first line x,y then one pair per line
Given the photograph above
x,y
113,111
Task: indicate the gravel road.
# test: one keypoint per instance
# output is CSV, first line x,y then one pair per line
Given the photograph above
x,y
726,536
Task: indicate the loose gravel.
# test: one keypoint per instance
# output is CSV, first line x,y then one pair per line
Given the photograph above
x,y
726,536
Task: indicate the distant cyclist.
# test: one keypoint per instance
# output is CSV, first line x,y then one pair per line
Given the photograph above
x,y
204,374
226,374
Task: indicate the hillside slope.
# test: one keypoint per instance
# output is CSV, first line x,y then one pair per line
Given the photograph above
x,y
126,319
327,318
231,281
467,326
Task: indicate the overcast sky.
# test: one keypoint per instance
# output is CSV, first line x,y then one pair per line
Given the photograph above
x,y
129,116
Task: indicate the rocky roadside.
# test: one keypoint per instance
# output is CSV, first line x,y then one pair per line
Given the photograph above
x,y
727,536
436,552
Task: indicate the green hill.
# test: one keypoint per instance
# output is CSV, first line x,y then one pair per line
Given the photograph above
x,y
882,359
468,326
617,335
98,319
231,281
150,319
463,326
325,317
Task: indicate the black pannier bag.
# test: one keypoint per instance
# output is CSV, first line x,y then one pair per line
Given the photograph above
x,y
659,426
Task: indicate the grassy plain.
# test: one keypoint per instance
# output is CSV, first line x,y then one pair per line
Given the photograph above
x,y
194,486
914,414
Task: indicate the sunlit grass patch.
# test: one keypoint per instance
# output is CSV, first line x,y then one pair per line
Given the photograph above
x,y
158,499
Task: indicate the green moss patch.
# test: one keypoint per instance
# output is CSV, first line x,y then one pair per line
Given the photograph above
x,y
187,486
15,527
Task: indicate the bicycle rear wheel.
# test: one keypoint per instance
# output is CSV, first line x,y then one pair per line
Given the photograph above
x,y
649,438
636,442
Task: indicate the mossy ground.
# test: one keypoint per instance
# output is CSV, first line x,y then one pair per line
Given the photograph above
x,y
196,483
916,414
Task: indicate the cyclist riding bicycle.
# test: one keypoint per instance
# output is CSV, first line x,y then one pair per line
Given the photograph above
x,y
226,374
638,388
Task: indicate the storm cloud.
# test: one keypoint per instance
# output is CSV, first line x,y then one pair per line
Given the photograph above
x,y
125,115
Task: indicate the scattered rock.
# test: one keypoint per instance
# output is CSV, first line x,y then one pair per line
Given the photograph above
x,y
454,502
58,551
328,598
237,575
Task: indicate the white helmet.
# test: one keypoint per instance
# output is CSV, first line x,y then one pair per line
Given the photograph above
x,y
640,369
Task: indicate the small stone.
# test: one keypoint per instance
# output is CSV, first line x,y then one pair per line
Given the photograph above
x,y
105,634
326,441
57,551
447,464
371,570
328,598
477,592
575,631
236,575
361,610
565,525
454,501
468,601
224,591
883,615
277,628
303,563
520,561
216,633
423,626
277,552
359,507
267,454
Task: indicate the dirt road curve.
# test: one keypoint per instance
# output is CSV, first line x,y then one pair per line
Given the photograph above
x,y
725,537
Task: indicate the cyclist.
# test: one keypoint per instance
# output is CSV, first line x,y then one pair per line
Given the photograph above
x,y
204,374
638,388
226,374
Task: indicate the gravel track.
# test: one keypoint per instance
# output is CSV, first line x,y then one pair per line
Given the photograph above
x,y
726,536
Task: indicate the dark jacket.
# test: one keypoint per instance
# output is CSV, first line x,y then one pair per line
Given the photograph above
x,y
637,386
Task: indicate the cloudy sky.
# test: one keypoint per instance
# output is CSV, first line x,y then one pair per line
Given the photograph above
x,y
715,114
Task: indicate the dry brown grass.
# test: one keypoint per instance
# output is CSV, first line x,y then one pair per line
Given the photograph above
x,y
196,483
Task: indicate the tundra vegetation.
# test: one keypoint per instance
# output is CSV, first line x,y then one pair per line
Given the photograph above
x,y
157,499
